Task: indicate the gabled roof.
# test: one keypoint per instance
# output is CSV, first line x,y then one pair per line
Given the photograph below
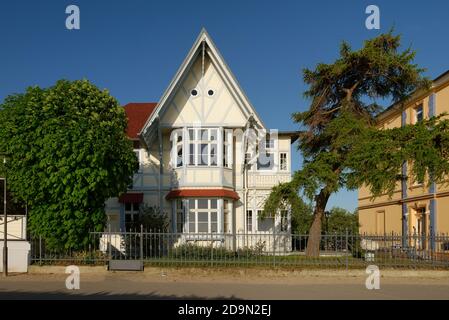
x,y
223,69
137,114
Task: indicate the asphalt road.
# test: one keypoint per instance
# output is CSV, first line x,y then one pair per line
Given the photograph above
x,y
189,285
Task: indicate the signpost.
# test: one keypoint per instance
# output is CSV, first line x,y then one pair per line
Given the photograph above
x,y
5,232
5,229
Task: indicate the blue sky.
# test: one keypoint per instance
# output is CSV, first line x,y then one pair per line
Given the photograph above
x,y
134,47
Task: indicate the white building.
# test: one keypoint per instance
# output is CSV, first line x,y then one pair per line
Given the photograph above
x,y
192,154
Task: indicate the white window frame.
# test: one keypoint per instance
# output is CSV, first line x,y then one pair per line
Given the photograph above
x,y
249,220
195,211
268,147
228,137
280,161
133,212
259,212
269,155
197,142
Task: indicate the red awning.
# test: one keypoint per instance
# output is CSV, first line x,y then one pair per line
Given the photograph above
x,y
131,198
221,193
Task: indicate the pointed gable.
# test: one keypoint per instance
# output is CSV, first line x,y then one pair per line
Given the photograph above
x,y
204,91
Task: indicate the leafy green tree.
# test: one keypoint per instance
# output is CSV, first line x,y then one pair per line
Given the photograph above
x,y
67,153
340,220
340,143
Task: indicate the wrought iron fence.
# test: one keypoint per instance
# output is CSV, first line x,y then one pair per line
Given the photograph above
x,y
261,249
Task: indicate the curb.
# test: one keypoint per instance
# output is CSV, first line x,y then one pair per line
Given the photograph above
x,y
247,273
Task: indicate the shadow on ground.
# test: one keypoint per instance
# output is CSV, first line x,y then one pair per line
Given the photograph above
x,y
22,295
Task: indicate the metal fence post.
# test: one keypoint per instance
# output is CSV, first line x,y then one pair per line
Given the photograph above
x,y
40,250
109,243
141,244
274,243
347,246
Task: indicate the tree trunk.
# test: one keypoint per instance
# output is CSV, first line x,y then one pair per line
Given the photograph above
x,y
313,243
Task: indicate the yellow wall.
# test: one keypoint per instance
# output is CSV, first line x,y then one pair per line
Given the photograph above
x,y
371,212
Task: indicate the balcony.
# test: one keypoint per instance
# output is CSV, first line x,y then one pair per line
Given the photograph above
x,y
267,180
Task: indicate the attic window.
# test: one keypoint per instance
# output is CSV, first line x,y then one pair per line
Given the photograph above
x,y
194,92
210,93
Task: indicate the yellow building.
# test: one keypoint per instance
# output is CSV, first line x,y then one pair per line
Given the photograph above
x,y
415,208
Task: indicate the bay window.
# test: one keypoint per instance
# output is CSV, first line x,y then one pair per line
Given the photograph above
x,y
202,147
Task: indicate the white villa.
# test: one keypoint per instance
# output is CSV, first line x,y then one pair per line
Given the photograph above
x,y
198,159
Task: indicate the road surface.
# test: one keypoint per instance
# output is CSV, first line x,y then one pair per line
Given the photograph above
x,y
225,284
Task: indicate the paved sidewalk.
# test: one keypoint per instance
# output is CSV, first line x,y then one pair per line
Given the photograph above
x,y
156,283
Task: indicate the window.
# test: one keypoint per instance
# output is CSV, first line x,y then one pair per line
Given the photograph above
x,y
226,216
249,221
192,137
179,215
284,220
419,114
178,148
266,223
210,92
203,147
269,143
265,161
227,148
137,153
194,92
283,161
203,215
131,214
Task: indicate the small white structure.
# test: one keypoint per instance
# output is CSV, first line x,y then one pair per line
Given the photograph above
x,y
18,256
18,247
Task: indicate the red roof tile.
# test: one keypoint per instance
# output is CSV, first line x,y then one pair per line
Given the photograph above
x,y
137,114
222,193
